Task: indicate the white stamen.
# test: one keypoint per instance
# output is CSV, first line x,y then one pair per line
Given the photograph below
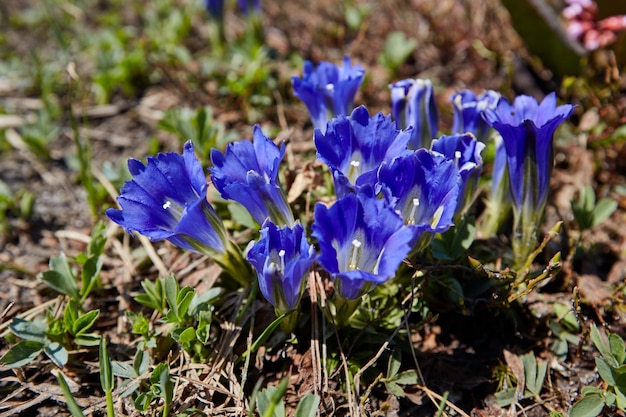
x,y
457,157
330,87
356,244
167,205
416,204
354,170
281,254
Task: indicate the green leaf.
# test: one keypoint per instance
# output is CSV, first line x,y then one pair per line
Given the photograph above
x,y
185,296
56,353
534,373
139,322
167,387
61,283
566,317
353,17
60,277
200,123
106,369
29,330
241,216
603,210
70,315
141,362
131,386
620,376
95,248
204,326
84,322
154,296
506,397
583,207
599,342
308,406
204,300
270,401
90,274
394,389
187,335
72,405
87,339
620,393
605,371
155,376
609,398
397,49
22,353
143,400
123,370
591,390
406,378
617,348
171,294
266,333
587,407
454,243
395,360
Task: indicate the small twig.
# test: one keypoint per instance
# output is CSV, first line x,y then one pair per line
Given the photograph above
x,y
322,294
244,371
315,342
432,394
154,257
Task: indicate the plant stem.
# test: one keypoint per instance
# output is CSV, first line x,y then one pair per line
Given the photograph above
x,y
110,405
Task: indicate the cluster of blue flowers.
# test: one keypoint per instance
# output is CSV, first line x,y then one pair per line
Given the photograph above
x,y
216,7
397,184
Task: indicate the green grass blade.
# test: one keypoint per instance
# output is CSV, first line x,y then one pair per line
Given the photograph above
x,y
72,405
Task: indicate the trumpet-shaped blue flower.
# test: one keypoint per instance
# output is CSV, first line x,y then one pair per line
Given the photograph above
x,y
282,258
362,242
468,112
423,187
248,7
328,90
465,151
248,174
166,199
354,147
413,105
527,129
215,8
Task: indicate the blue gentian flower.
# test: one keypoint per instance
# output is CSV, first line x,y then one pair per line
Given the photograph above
x,y
166,199
215,8
468,112
413,105
248,174
282,258
527,129
498,202
362,241
423,187
249,7
465,151
328,90
354,147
